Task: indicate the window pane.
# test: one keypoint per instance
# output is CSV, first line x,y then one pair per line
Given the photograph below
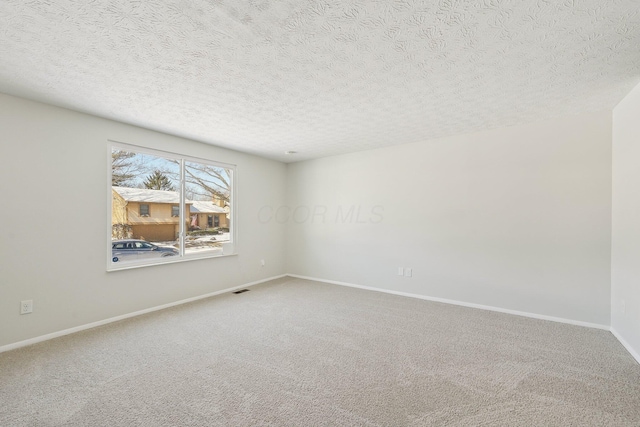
x,y
145,189
208,193
148,222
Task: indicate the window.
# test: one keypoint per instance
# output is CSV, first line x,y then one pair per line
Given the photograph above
x,y
162,207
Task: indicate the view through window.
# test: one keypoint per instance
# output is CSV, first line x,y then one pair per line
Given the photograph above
x,y
166,207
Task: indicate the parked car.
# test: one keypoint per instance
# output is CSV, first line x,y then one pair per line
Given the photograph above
x,y
133,249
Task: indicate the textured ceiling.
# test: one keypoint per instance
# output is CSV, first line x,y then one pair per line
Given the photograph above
x,y
320,77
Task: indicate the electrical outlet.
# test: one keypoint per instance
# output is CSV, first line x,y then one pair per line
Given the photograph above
x,y
400,271
26,306
262,263
408,272
623,307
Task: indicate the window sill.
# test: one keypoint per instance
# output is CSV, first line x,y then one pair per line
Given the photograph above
x,y
195,257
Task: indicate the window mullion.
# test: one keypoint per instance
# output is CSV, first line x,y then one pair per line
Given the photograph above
x,y
183,208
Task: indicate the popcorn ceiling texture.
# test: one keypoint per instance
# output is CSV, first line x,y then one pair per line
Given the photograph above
x,y
321,77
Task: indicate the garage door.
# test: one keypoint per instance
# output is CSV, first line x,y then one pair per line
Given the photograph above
x,y
154,233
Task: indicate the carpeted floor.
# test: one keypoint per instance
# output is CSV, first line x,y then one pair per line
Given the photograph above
x,y
300,353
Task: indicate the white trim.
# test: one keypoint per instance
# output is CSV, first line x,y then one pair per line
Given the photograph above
x,y
109,196
182,216
162,261
626,345
461,303
128,315
52,335
166,154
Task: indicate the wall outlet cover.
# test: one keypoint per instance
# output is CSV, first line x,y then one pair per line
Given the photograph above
x,y
26,306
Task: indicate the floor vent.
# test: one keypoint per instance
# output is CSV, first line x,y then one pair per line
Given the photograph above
x,y
241,291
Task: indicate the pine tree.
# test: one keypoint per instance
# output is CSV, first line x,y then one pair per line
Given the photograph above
x,y
158,181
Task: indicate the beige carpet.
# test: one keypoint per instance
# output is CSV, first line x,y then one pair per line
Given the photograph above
x,y
300,353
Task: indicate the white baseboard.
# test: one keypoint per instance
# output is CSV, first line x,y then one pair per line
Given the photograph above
x,y
461,303
334,282
126,316
626,345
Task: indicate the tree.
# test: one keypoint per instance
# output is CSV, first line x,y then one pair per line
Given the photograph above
x,y
158,181
207,182
124,168
204,182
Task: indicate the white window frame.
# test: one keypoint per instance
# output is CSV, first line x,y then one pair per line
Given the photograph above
x,y
228,248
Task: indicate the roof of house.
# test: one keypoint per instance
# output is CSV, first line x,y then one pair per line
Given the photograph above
x,y
146,195
163,196
200,206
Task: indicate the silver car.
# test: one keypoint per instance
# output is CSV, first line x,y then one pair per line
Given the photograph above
x,y
133,249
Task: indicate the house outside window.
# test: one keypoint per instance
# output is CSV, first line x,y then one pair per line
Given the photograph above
x,y
160,198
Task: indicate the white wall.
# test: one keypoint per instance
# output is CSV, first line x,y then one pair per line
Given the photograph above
x,y
53,223
515,218
625,253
